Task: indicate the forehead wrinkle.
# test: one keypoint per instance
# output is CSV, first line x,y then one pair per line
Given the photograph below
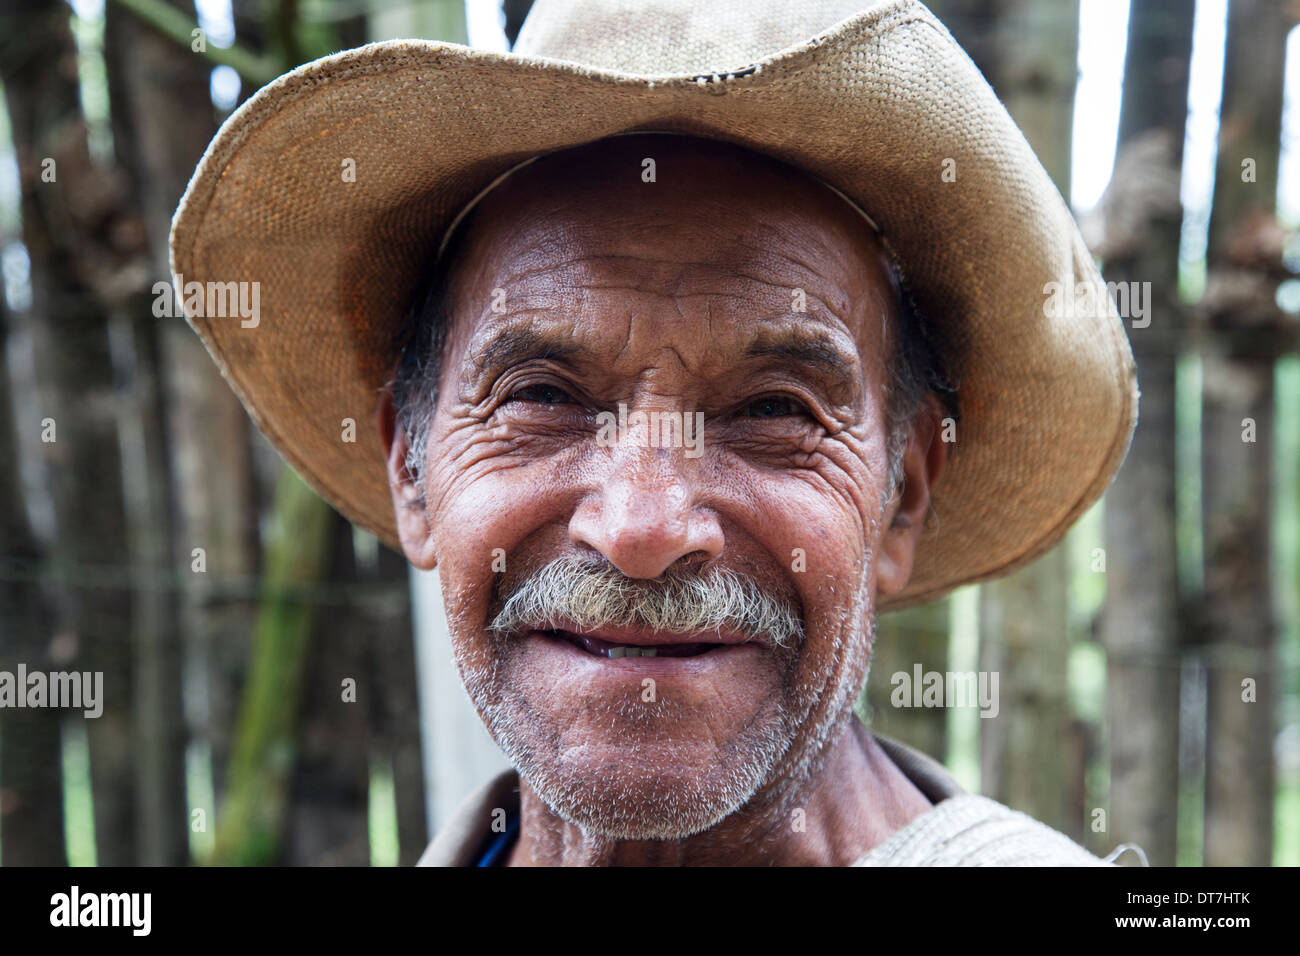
x,y
691,272
765,252
532,237
834,309
815,245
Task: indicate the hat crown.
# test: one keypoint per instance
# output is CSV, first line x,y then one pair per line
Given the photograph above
x,y
666,37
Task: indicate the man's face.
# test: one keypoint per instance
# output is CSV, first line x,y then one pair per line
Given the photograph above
x,y
728,287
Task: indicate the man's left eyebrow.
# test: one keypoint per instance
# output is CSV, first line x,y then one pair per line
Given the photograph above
x,y
814,351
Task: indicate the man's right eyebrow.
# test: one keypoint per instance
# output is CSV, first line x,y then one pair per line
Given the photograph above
x,y
815,351
511,346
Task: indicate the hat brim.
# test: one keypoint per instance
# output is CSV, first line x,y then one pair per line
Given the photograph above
x,y
881,106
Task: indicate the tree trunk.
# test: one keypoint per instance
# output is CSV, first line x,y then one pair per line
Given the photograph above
x,y
1140,620
31,778
516,12
395,713
1241,344
331,774
164,119
73,369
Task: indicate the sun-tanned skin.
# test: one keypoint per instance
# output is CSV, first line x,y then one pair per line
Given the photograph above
x,y
674,295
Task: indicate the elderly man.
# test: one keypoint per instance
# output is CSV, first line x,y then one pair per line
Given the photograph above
x,y
699,337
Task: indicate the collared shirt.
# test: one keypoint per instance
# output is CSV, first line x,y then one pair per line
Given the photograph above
x,y
961,829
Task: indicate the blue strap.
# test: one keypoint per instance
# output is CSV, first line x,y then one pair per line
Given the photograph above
x,y
500,844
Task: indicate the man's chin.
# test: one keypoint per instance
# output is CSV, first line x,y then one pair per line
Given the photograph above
x,y
635,800
637,784
610,757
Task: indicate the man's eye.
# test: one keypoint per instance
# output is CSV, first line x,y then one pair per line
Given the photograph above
x,y
775,406
542,395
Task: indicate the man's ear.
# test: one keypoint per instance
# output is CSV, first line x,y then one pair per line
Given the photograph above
x,y
408,504
923,463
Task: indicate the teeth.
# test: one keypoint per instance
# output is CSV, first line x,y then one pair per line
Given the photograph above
x,y
632,652
649,652
617,651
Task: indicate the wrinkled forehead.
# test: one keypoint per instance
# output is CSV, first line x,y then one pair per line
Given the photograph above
x,y
673,216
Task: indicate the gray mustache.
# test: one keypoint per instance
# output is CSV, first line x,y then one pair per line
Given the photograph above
x,y
593,595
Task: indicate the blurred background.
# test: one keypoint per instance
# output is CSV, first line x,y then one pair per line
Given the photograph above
x,y
278,686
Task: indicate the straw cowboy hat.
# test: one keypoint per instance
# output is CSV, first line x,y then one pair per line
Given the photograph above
x,y
880,103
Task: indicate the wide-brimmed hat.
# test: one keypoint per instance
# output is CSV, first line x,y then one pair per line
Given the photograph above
x,y
331,185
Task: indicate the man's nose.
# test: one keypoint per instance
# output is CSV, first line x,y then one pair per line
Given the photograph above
x,y
644,518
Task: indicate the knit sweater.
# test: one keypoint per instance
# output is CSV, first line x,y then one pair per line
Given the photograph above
x,y
961,829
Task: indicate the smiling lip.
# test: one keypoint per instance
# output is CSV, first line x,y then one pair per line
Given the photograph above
x,y
633,643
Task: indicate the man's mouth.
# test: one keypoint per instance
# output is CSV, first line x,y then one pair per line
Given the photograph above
x,y
638,645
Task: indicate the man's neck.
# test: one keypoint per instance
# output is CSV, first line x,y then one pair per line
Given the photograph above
x,y
854,798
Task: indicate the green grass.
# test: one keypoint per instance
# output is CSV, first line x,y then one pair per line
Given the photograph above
x,y
384,848
78,800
